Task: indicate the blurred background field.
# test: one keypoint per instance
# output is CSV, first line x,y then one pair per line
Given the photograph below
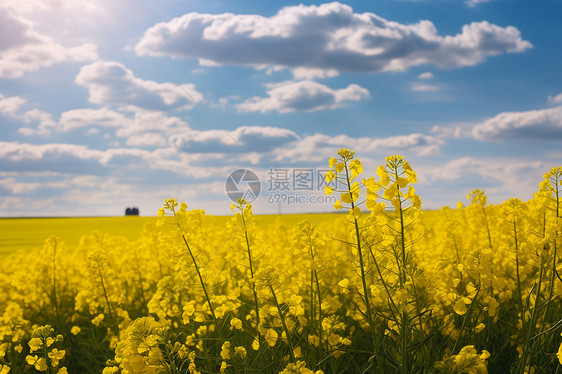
x,y
30,233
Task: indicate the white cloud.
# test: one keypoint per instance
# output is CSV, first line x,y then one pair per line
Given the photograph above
x,y
22,49
84,53
537,124
77,118
426,75
111,83
454,131
141,128
473,3
243,139
42,5
500,178
9,106
324,40
12,107
555,99
22,152
75,159
416,87
149,128
307,96
320,147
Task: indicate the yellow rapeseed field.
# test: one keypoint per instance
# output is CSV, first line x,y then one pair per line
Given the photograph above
x,y
377,289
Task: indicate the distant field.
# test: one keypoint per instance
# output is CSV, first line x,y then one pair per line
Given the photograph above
x,y
29,233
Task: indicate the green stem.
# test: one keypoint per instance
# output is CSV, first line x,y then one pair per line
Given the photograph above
x,y
361,262
392,306
55,282
530,327
319,313
466,318
404,322
283,323
519,292
200,279
115,330
251,270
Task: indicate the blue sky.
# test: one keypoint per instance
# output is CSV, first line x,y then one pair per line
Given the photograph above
x,y
105,104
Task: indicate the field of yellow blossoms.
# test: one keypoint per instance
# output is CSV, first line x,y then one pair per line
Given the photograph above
x,y
377,290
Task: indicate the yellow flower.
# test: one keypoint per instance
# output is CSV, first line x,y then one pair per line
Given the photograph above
x,y
39,363
391,192
346,154
75,330
55,355
355,168
35,344
225,350
236,323
346,197
49,341
271,337
355,212
339,167
460,306
381,172
394,160
97,320
256,343
223,367
240,352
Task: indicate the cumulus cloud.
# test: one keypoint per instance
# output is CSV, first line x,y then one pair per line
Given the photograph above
x,y
111,83
473,3
426,75
416,87
534,124
71,158
324,40
139,127
42,5
22,49
9,106
12,107
500,178
149,128
243,139
61,157
555,99
307,96
77,118
319,147
283,145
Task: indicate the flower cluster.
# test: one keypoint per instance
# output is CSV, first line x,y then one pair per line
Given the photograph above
x,y
385,287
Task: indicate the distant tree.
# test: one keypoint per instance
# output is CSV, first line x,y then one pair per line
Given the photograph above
x,y
134,211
